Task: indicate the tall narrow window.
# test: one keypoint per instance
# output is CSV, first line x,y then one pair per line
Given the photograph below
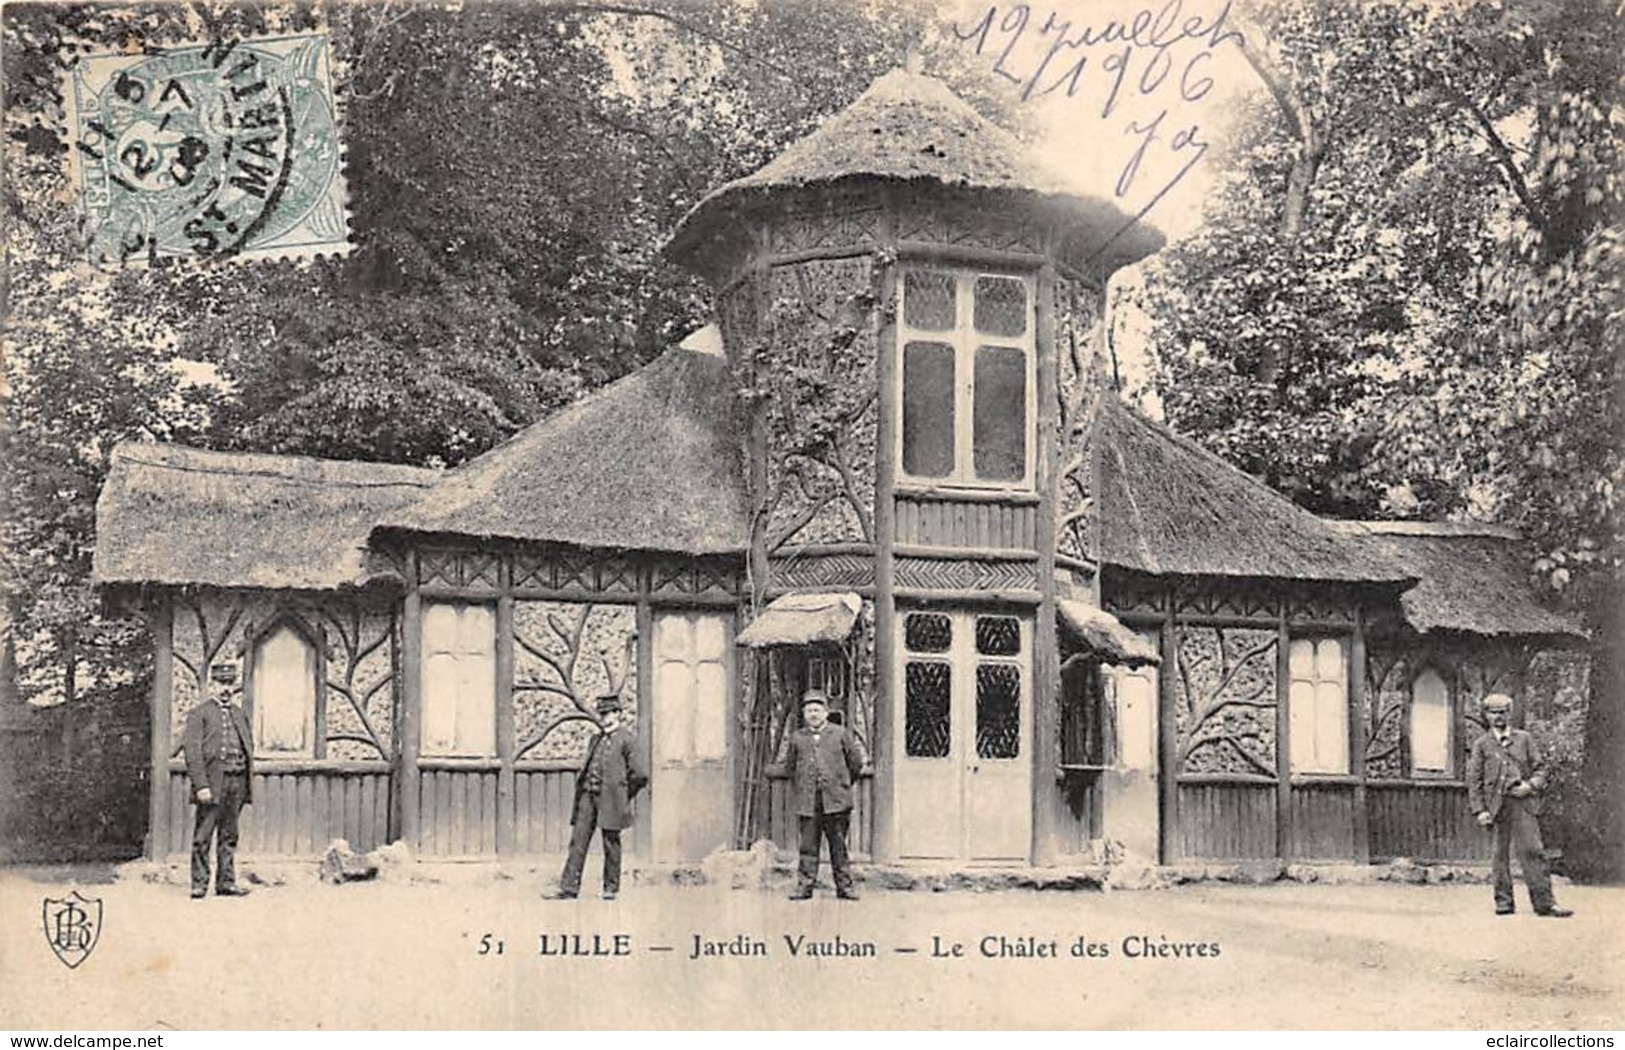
x,y
459,680
1318,706
1430,725
284,694
966,378
691,687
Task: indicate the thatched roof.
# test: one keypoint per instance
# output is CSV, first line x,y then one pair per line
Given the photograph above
x,y
1172,507
910,128
650,462
1471,577
1105,634
175,515
803,619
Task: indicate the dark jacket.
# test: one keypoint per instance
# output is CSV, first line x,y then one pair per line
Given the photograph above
x,y
836,751
1492,770
200,743
624,777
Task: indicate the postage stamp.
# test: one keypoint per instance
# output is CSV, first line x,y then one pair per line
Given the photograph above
x,y
224,150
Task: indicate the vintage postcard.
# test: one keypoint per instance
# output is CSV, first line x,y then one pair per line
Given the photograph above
x,y
912,514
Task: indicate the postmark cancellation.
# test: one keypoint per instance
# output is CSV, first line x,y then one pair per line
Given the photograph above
x,y
223,150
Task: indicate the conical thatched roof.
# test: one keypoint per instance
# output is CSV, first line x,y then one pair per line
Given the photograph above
x,y
1471,577
1170,506
910,128
650,462
174,515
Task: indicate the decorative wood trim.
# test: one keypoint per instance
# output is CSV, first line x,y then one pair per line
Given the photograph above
x,y
931,596
1283,741
915,550
939,494
463,765
968,255
162,624
1240,779
279,767
930,574
843,571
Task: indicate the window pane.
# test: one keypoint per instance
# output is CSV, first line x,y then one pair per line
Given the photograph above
x,y
284,694
926,726
1000,413
476,706
1430,724
927,632
710,711
928,410
673,711
710,637
998,635
439,702
1301,708
1001,305
1331,727
998,711
459,679
673,638
928,301
1136,720
1329,659
1301,656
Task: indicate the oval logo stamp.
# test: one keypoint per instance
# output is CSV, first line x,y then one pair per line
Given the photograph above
x,y
226,150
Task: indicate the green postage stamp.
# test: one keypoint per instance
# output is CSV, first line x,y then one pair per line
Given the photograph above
x,y
225,150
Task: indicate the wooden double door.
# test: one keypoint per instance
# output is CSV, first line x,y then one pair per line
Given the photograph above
x,y
963,736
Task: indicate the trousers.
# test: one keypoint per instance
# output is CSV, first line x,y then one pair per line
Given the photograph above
x,y
581,829
1517,829
831,828
217,821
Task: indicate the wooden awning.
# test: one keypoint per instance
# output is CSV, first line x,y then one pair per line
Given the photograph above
x,y
1105,634
803,619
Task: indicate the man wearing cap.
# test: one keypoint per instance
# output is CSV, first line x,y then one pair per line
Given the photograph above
x,y
219,751
1505,775
821,760
609,780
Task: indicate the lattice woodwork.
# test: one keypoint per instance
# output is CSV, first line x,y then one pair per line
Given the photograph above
x,y
965,574
1327,604
1225,690
464,569
835,226
694,578
1217,600
971,227
823,571
566,655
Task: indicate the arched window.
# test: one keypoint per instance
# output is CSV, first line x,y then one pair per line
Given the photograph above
x,y
1430,725
284,694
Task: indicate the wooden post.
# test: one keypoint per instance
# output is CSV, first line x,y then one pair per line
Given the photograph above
x,y
1046,823
1357,725
883,797
1168,736
411,713
506,745
161,621
1283,734
643,823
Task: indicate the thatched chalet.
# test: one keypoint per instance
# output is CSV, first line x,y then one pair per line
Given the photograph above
x,y
891,471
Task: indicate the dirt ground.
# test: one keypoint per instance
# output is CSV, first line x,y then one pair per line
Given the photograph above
x,y
401,954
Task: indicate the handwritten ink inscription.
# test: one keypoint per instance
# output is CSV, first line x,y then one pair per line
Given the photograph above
x,y
1160,56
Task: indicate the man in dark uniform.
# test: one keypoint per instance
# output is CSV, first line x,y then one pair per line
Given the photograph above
x,y
609,780
219,751
1505,775
821,760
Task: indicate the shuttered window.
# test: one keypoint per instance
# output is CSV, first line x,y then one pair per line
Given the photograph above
x,y
1318,706
1430,725
459,680
284,695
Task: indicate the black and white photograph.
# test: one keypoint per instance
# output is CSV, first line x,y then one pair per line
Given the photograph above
x,y
813,515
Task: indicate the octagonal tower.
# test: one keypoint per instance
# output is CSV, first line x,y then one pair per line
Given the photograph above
x,y
910,303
